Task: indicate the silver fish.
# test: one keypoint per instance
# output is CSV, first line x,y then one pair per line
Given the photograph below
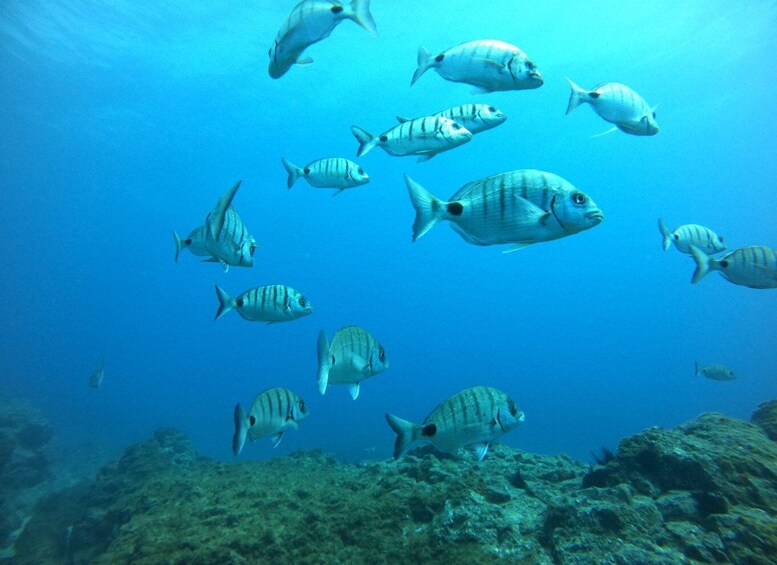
x,y
715,372
519,207
352,356
194,243
97,376
425,136
754,266
226,236
309,22
486,63
475,117
332,172
273,412
475,416
617,104
691,234
270,303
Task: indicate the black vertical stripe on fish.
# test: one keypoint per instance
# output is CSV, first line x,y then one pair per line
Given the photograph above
x,y
502,197
463,403
545,193
289,403
269,406
478,409
280,405
524,186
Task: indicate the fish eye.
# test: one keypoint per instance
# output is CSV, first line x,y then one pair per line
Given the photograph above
x,y
251,250
457,126
579,198
511,406
302,405
303,302
491,109
361,171
382,354
530,65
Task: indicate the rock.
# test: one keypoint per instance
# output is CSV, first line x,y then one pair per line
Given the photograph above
x,y
765,417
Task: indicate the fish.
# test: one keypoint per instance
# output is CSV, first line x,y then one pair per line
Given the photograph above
x,y
332,172
754,266
478,416
194,243
520,207
270,303
352,356
426,136
487,64
691,234
617,104
226,237
97,376
715,372
475,117
273,412
309,22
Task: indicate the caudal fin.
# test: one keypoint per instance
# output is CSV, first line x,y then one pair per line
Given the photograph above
x,y
576,97
293,170
704,264
366,140
666,233
407,433
425,62
225,302
698,369
428,209
241,430
362,16
324,362
179,244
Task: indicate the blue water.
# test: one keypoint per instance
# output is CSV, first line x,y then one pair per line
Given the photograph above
x,y
123,121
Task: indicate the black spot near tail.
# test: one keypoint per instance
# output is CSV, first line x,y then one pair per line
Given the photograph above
x,y
440,57
239,303
724,264
383,138
455,208
336,9
252,421
306,170
429,430
594,95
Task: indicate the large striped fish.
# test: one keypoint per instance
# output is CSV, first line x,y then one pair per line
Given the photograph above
x,y
691,234
352,356
273,412
487,64
270,303
519,207
475,117
475,416
226,236
309,22
754,266
425,136
194,243
619,105
332,172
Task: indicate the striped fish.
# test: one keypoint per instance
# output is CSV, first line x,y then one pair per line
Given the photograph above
x,y
273,412
309,22
194,243
226,236
425,136
475,416
475,117
691,234
486,64
332,172
619,105
270,303
97,376
754,266
519,207
352,356
715,372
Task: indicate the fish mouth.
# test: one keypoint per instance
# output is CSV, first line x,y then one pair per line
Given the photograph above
x,y
596,216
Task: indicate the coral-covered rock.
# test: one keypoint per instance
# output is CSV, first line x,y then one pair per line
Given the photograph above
x,y
765,417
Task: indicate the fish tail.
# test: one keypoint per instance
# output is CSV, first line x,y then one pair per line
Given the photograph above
x,y
407,433
428,209
698,369
324,362
362,16
366,140
179,244
576,97
425,62
666,233
704,264
225,302
293,170
241,430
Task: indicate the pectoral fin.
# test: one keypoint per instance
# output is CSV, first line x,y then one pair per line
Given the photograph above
x,y
609,131
276,439
304,61
516,247
354,390
481,449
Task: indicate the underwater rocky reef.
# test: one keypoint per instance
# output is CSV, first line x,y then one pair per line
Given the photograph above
x,y
704,492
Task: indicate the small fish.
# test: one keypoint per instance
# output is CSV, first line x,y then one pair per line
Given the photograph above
x,y
194,243
270,303
226,236
309,22
352,356
425,136
486,64
97,376
691,234
475,416
754,266
617,104
520,207
273,412
333,172
715,372
475,117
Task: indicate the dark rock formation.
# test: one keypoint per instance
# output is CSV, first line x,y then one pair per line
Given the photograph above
x,y
765,417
